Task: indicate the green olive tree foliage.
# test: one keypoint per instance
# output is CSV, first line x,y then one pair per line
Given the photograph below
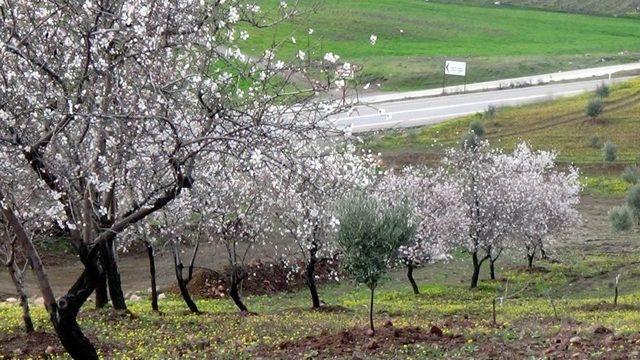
x,y
369,237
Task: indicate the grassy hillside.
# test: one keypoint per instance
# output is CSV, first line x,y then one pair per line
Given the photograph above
x,y
415,36
559,125
603,7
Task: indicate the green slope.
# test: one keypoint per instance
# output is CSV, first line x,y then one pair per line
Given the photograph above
x,y
414,37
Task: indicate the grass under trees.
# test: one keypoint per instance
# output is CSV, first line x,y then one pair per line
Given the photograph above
x,y
563,299
414,37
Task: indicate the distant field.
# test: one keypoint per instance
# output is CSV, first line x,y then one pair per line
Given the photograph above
x,y
559,125
415,36
604,7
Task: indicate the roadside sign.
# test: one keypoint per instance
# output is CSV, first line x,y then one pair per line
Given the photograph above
x,y
457,68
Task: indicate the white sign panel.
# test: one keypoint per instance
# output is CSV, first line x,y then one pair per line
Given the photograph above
x,y
455,68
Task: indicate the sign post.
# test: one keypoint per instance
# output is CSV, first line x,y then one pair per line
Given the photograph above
x,y
455,68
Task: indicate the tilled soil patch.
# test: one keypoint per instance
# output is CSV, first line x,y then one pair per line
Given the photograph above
x,y
41,345
264,276
37,344
360,343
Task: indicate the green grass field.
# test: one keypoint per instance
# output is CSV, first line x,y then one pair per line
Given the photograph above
x,y
603,7
415,36
559,125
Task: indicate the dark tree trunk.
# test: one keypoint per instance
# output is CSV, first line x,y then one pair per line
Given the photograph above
x,y
414,285
113,277
543,253
102,294
17,279
63,314
184,291
310,278
67,308
492,268
372,287
530,258
152,273
237,275
477,263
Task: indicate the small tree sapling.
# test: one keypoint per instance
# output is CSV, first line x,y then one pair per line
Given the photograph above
x,y
369,237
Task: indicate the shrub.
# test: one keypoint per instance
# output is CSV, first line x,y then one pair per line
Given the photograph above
x,y
477,128
603,91
469,141
631,174
491,112
370,235
610,151
595,108
621,218
633,201
594,142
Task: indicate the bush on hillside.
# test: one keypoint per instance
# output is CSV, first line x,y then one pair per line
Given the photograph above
x,y
490,113
620,218
631,174
594,142
610,152
595,108
477,128
603,91
469,141
633,201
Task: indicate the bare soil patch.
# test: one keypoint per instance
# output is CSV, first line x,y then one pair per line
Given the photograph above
x,y
264,276
605,306
24,346
360,343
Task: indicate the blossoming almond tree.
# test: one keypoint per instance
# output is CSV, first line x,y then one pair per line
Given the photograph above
x,y
111,104
510,197
305,194
485,197
437,209
545,199
237,216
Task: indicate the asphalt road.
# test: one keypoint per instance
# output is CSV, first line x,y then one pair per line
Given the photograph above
x,y
433,110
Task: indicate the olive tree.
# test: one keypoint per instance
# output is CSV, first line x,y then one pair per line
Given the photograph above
x,y
624,217
370,235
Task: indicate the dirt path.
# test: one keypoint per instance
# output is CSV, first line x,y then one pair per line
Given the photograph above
x,y
134,270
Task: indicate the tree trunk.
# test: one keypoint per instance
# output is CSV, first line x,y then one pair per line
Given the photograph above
x,y
476,270
236,280
62,314
152,273
543,253
371,309
64,319
184,291
530,258
16,277
492,268
102,294
414,285
113,277
310,279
